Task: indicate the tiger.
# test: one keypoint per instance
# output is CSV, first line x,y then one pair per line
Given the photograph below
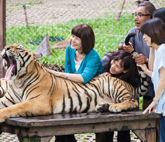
x,y
29,89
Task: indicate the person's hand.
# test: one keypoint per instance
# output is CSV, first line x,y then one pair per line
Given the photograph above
x,y
150,108
56,73
6,79
47,69
104,74
143,67
128,48
140,59
50,71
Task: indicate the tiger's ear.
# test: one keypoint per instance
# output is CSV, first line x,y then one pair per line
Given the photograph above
x,y
37,56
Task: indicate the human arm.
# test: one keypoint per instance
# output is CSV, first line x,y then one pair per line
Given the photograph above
x,y
140,59
70,68
159,91
126,44
74,77
151,58
145,69
62,44
91,66
127,48
104,74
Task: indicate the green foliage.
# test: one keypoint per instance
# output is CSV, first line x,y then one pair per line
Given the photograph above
x,y
108,34
141,103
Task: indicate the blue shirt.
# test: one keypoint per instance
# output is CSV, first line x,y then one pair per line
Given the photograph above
x,y
158,63
90,66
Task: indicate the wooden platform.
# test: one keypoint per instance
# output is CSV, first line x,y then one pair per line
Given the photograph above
x,y
42,128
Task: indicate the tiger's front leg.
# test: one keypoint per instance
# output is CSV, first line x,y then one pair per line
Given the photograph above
x,y
119,107
29,108
3,87
124,106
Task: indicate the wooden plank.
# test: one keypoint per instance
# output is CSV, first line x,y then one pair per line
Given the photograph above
x,y
40,133
84,118
2,31
90,128
140,134
40,128
151,135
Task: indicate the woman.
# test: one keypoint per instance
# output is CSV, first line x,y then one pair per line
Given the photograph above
x,y
154,36
82,62
119,64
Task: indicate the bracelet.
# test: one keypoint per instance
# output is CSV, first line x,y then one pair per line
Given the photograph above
x,y
67,76
155,101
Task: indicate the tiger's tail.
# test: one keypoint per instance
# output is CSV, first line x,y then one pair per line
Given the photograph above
x,y
143,88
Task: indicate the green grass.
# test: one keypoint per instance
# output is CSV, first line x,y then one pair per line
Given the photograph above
x,y
108,34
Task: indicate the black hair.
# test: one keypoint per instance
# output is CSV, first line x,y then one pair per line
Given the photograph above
x,y
128,63
155,29
149,7
86,34
160,13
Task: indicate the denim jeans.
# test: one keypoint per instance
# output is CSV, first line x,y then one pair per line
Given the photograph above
x,y
162,129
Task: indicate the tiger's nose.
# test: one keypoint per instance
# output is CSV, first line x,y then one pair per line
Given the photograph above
x,y
7,48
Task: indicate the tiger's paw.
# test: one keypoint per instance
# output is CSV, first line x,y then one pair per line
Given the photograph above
x,y
102,107
115,108
2,120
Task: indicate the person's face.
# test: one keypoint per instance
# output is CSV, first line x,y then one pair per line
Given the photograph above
x,y
147,39
75,42
116,67
139,20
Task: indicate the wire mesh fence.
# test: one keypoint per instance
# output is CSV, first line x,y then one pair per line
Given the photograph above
x,y
28,21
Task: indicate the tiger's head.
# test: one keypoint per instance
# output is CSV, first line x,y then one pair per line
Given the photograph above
x,y
18,58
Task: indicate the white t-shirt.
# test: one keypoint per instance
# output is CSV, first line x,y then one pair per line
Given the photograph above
x,y
158,63
77,65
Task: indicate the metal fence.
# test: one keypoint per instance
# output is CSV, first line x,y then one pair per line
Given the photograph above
x,y
28,21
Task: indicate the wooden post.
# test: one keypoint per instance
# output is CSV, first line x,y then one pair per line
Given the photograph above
x,y
2,32
120,11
